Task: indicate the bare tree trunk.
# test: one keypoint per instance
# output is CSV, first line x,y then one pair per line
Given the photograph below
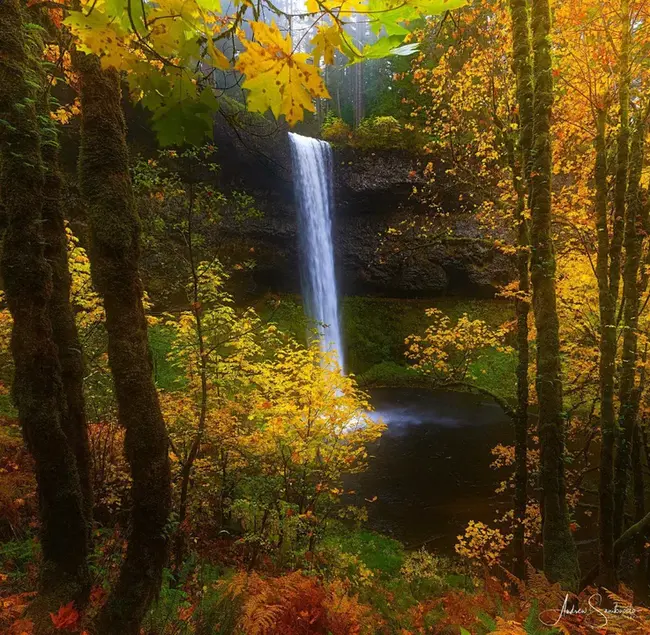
x,y
37,388
186,472
360,106
115,235
560,555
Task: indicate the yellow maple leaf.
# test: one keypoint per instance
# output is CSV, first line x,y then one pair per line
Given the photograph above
x,y
218,58
344,7
326,41
278,78
101,34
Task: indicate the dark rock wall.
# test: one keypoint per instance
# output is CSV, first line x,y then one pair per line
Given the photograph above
x,y
373,191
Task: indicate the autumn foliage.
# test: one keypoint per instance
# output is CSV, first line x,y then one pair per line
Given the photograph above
x,y
262,430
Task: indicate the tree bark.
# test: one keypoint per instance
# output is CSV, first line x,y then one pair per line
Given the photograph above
x,y
622,153
37,388
639,528
115,235
521,172
64,327
620,194
560,555
629,405
607,363
639,585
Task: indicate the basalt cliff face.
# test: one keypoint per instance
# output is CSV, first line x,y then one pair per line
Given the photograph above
x,y
373,191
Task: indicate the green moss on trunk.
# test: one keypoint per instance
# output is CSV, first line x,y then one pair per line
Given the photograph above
x,y
114,254
560,555
629,402
607,364
64,328
37,386
521,176
639,583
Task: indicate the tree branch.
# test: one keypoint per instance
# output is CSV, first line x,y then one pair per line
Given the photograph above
x,y
500,401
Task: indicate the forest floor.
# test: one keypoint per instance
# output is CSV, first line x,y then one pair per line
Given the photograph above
x,y
353,581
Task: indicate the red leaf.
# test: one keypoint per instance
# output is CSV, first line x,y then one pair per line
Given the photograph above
x,y
97,595
66,617
22,627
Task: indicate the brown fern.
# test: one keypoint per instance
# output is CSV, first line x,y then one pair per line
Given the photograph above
x,y
297,604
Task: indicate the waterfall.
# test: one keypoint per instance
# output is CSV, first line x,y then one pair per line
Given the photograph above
x,y
312,170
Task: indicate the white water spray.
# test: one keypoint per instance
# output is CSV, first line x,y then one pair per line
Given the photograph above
x,y
312,169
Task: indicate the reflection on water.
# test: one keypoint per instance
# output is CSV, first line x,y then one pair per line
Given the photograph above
x,y
431,469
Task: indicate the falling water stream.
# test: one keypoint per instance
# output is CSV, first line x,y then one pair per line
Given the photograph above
x,y
312,169
430,473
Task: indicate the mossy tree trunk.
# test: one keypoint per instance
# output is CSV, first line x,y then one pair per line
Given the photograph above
x,y
640,584
607,363
626,216
114,254
620,193
64,327
622,154
629,403
560,555
37,388
521,174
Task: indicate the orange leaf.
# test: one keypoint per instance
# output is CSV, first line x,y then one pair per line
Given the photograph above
x,y
97,595
21,627
66,617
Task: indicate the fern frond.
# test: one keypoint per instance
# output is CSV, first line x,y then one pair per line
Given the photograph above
x,y
260,618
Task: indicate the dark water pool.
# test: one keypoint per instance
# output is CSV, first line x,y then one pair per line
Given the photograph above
x,y
431,469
